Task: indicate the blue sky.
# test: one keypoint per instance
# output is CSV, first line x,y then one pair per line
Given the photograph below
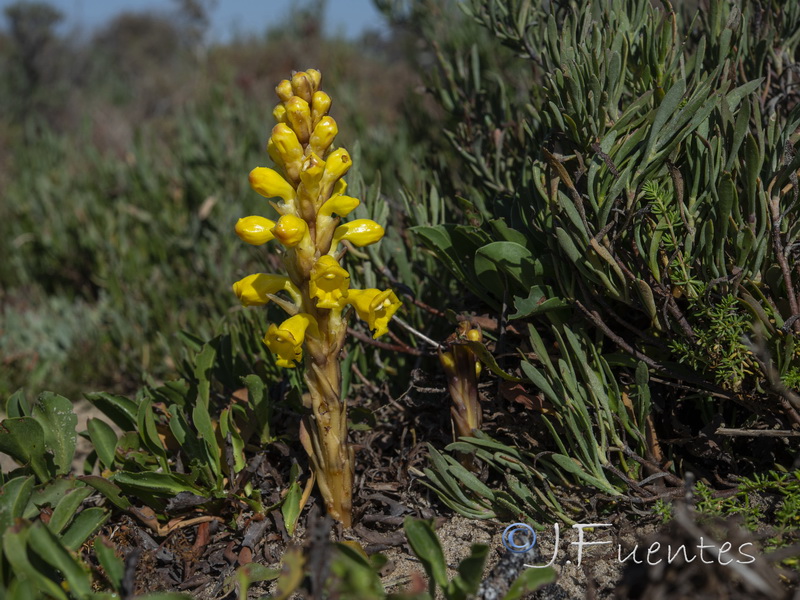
x,y
349,17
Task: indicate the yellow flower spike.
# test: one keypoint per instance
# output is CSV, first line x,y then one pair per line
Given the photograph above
x,y
361,232
287,340
298,115
323,135
320,105
341,205
329,282
315,77
290,230
255,230
284,90
303,85
288,147
271,184
254,289
279,113
375,307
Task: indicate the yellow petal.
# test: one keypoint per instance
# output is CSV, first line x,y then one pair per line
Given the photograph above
x,y
360,232
290,230
303,85
323,135
255,230
271,184
253,290
329,282
376,307
286,340
279,113
287,144
284,90
320,105
341,205
298,116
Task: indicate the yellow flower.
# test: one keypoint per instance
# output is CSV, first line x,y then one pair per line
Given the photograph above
x,y
279,113
287,340
375,307
329,282
254,289
361,232
290,230
271,184
255,230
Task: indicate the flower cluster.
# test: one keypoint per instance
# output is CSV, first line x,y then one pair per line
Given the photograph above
x,y
310,198
308,192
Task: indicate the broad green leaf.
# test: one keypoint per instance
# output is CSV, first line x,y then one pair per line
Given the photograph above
x,y
14,496
104,441
22,438
15,549
426,547
111,563
121,410
110,490
203,371
529,580
470,570
258,396
17,405
66,508
290,509
48,547
84,525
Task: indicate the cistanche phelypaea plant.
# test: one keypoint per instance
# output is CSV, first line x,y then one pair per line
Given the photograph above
x,y
317,286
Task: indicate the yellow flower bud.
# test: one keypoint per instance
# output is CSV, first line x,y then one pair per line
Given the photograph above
x,y
320,105
315,77
323,135
253,290
361,232
447,361
474,335
290,230
287,144
311,173
284,90
275,155
271,184
329,282
302,85
298,115
341,205
279,113
375,307
287,340
255,230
